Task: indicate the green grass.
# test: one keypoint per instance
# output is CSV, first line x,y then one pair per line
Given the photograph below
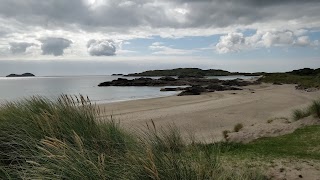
x,y
66,139
286,78
303,143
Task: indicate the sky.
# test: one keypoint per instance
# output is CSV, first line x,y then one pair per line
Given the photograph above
x,y
96,37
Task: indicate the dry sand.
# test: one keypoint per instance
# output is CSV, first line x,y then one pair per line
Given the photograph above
x,y
209,114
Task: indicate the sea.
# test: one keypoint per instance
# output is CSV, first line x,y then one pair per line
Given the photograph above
x,y
19,88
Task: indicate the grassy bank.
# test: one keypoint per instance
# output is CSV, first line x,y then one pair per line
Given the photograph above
x,y
301,144
305,81
65,139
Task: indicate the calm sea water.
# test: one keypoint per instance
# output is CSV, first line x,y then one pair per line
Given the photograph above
x,y
12,89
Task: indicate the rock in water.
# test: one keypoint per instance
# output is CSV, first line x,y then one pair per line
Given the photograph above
x,y
21,75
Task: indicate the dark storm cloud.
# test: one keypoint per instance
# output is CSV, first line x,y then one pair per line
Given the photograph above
x,y
54,46
223,13
19,47
123,13
101,48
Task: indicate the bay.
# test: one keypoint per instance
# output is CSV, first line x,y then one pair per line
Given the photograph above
x,y
13,89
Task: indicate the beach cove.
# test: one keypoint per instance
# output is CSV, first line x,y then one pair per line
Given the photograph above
x,y
209,114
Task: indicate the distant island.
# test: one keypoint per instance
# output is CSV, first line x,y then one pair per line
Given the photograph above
x,y
191,72
117,75
21,75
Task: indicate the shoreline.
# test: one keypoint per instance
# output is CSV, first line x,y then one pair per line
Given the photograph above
x,y
105,102
207,115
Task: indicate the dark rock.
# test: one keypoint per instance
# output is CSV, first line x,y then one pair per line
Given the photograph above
x,y
105,84
145,82
277,83
216,87
21,75
190,76
234,88
141,82
173,89
189,93
198,85
235,83
193,90
167,78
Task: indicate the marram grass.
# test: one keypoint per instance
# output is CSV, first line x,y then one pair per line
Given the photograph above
x,y
67,139
313,109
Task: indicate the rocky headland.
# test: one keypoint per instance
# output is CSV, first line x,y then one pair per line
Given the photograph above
x,y
194,86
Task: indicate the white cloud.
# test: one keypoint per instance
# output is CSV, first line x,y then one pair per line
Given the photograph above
x,y
155,44
160,49
236,42
303,41
101,47
277,38
232,42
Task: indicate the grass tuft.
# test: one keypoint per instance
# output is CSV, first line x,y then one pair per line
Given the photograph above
x,y
300,114
238,127
315,108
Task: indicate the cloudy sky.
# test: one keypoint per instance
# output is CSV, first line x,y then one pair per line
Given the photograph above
x,y
69,37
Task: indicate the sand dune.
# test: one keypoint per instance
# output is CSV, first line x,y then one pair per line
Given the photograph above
x,y
209,114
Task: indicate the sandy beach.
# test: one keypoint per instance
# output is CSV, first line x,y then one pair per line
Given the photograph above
x,y
207,115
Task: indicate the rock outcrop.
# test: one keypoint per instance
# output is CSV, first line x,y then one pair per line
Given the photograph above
x,y
195,85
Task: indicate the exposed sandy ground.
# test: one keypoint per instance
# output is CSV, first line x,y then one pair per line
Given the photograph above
x,y
294,170
209,114
273,128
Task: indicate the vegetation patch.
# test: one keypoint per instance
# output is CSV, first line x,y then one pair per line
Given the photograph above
x,y
190,72
305,78
66,139
303,143
313,109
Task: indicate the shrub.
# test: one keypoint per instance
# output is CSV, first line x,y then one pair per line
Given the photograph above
x,y
238,127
